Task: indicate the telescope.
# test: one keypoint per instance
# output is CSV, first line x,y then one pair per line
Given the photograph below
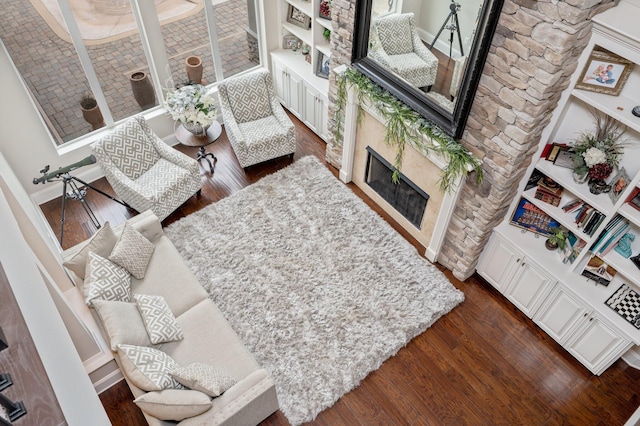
x,y
46,177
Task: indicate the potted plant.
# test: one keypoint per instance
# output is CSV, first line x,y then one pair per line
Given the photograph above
x,y
595,154
556,239
193,107
91,111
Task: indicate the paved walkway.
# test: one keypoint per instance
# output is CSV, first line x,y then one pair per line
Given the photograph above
x,y
53,73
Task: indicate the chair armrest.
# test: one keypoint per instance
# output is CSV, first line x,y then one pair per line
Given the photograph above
x,y
424,53
173,155
381,56
231,126
280,114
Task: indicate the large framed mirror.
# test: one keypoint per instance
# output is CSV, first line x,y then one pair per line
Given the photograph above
x,y
429,54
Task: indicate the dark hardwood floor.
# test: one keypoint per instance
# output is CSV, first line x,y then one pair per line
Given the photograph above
x,y
485,363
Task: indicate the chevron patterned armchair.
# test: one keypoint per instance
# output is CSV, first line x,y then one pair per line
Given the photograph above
x,y
255,122
397,46
144,171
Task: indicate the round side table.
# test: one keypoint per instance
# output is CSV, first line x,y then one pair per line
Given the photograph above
x,y
187,138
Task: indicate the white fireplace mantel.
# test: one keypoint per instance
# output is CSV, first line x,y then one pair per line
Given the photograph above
x,y
432,243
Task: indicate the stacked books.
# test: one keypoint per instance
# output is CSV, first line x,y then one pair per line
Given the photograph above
x,y
587,218
610,236
549,191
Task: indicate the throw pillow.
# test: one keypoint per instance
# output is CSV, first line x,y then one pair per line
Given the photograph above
x,y
174,404
122,323
158,319
101,243
106,280
148,368
132,251
204,378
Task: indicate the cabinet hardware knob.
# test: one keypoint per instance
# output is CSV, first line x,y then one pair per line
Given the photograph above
x,y
590,319
584,315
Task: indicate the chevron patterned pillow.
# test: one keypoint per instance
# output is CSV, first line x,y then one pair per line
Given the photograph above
x,y
158,319
204,378
106,280
148,368
132,251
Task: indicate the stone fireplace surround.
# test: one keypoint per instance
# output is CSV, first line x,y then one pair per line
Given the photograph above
x,y
532,56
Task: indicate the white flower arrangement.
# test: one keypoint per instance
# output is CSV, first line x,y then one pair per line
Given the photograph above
x,y
191,104
593,156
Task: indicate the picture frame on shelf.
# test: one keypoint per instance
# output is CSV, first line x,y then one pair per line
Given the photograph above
x,y
298,18
530,218
324,9
618,184
605,73
634,199
322,70
599,271
290,42
564,158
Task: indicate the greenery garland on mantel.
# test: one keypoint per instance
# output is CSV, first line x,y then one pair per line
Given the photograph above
x,y
404,125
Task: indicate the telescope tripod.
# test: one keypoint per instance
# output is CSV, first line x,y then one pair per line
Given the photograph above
x,y
78,193
451,23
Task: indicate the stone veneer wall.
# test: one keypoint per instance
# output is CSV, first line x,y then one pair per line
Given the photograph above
x,y
533,53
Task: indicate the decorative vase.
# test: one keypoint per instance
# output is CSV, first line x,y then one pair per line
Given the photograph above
x,y
580,177
194,69
197,129
598,186
142,89
94,117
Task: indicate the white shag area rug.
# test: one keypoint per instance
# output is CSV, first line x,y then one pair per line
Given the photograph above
x,y
317,285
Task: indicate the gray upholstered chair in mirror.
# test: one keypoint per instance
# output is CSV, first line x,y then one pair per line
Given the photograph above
x,y
397,46
255,122
144,171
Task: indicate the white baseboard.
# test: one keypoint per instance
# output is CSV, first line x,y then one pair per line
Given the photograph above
x,y
108,381
634,420
632,357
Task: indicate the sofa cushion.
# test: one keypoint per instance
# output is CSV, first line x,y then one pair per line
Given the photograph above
x,y
132,251
122,323
209,339
204,378
168,276
106,280
148,368
160,323
102,242
174,404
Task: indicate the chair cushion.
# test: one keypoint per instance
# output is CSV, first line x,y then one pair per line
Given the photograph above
x,y
248,97
164,181
263,134
129,149
413,69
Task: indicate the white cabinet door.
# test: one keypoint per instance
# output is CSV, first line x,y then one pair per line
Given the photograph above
x,y
596,345
560,315
281,82
322,113
498,262
310,115
288,87
295,94
529,287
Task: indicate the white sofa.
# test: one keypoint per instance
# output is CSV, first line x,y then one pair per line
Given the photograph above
x,y
208,338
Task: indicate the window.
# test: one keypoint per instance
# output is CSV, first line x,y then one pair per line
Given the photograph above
x,y
68,49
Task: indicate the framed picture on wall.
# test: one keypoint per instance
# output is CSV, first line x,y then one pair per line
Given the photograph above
x,y
323,65
298,18
605,73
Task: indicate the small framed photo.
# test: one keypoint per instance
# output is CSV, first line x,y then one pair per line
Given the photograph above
x,y
605,73
298,18
290,42
564,158
322,69
634,198
618,184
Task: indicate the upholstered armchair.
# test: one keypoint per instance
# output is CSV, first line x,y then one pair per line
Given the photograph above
x,y
255,122
398,47
144,171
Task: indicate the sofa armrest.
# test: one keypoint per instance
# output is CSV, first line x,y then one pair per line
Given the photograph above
x,y
147,223
249,401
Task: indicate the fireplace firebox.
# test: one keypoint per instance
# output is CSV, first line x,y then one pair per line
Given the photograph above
x,y
404,196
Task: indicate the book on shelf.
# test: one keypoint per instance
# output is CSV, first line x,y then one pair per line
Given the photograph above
x,y
598,270
614,240
613,230
582,215
572,248
572,206
593,222
536,175
549,191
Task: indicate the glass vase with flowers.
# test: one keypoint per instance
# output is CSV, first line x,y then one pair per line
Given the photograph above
x,y
193,107
596,153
